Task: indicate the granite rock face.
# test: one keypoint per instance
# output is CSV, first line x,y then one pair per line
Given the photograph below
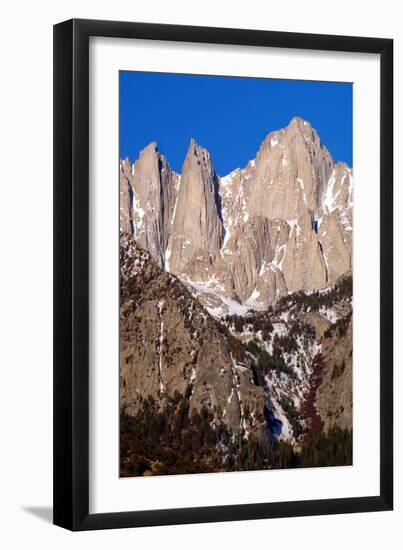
x,y
148,191
281,224
197,228
290,174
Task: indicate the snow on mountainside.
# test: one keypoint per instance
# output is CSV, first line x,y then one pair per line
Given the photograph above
x,y
287,340
279,225
236,296
261,360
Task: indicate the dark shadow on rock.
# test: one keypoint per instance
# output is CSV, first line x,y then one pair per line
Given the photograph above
x,y
45,513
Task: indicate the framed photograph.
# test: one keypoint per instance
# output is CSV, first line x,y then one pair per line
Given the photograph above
x,y
223,237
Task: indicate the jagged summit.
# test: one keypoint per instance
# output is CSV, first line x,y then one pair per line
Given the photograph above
x,y
196,150
152,146
200,155
299,122
194,145
197,225
279,225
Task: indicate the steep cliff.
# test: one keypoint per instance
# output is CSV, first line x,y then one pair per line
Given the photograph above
x,y
281,224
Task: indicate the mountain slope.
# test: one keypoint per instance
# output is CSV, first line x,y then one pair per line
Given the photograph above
x,y
247,383
302,357
169,344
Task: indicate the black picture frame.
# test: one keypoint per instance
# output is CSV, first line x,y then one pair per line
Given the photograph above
x,y
71,274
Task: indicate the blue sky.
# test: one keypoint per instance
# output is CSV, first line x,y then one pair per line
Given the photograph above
x,y
230,116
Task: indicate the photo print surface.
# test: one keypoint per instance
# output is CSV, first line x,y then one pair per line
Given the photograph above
x,y
236,202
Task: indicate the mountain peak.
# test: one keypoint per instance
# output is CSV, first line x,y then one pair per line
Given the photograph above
x,y
199,155
151,147
196,147
297,125
298,122
198,225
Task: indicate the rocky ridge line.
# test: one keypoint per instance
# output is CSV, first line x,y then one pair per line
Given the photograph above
x,y
281,224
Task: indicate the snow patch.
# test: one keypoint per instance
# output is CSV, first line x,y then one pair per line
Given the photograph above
x,y
277,411
167,257
160,307
328,199
255,295
177,198
301,183
328,314
280,255
231,395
